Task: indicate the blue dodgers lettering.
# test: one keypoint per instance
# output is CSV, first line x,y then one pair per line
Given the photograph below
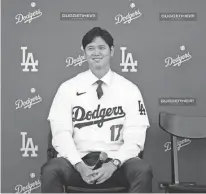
x,y
97,116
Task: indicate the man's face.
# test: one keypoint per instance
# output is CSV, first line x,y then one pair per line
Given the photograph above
x,y
98,54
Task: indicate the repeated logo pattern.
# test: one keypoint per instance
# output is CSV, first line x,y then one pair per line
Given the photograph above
x,y
176,62
119,18
30,186
29,17
29,102
180,144
28,61
28,146
127,61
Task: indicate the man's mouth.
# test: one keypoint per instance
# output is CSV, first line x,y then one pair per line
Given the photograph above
x,y
97,59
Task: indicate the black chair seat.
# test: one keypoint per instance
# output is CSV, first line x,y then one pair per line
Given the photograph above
x,y
186,188
71,189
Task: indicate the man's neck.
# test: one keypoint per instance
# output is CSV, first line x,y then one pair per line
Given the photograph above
x,y
100,73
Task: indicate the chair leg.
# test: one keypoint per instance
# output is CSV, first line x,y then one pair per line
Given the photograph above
x,y
64,188
166,190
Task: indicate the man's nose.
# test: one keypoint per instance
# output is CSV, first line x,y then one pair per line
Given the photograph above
x,y
96,51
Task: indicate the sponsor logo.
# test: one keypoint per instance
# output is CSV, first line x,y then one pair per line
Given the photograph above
x,y
128,61
129,17
177,101
29,17
28,146
78,94
28,61
180,144
31,186
176,62
97,116
29,102
78,16
178,16
75,61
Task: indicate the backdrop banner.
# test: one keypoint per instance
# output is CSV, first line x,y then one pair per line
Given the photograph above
x,y
159,45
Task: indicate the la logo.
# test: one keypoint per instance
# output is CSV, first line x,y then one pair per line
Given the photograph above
x,y
28,146
128,61
28,61
142,110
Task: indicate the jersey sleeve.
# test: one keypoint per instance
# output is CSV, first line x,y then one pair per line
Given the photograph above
x,y
137,112
61,105
136,124
60,118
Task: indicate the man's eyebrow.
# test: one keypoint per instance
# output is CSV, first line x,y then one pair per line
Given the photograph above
x,y
90,46
101,45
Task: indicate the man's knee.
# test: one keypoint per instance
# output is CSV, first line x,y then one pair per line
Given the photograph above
x,y
145,168
137,166
51,167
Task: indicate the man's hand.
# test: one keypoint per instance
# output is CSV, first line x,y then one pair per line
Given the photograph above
x,y
86,172
104,173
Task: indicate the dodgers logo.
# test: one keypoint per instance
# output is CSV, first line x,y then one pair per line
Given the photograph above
x,y
35,184
129,17
29,17
28,146
75,62
142,110
29,102
179,59
127,61
28,61
180,144
98,116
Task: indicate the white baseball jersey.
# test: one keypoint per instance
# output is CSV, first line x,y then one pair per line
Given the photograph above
x,y
82,123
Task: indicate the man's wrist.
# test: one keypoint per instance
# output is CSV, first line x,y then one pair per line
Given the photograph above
x,y
116,162
113,166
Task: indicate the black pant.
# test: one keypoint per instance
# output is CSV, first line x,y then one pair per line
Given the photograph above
x,y
134,174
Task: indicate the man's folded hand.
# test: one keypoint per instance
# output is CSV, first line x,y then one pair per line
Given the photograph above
x,y
86,172
104,173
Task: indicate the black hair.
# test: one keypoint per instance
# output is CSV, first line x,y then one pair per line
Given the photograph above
x,y
97,32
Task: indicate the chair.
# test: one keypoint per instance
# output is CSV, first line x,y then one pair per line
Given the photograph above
x,y
52,153
182,126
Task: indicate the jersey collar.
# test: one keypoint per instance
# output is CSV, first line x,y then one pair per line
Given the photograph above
x,y
107,79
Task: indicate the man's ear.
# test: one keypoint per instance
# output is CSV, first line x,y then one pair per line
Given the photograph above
x,y
83,50
112,50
